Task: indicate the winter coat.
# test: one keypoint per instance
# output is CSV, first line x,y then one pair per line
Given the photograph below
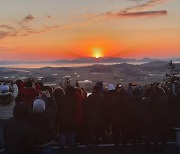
x,y
79,106
155,118
67,114
93,110
120,112
18,136
7,103
109,98
27,95
174,113
44,123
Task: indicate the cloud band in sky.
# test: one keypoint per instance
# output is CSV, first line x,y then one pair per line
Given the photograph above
x,y
140,10
145,6
22,28
137,14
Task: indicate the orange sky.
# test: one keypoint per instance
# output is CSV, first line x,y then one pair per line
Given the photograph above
x,y
67,30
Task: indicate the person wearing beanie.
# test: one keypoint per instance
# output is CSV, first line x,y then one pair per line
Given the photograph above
x,y
5,90
111,87
42,118
109,95
7,103
39,106
18,132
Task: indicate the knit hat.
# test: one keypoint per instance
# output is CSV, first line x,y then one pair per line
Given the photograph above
x,y
39,106
111,87
4,90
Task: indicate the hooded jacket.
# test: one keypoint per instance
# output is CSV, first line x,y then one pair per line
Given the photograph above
x,y
7,103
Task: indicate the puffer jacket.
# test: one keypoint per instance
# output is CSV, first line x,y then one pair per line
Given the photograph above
x,y
7,103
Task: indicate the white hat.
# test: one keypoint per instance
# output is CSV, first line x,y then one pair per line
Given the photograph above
x,y
111,87
4,90
38,106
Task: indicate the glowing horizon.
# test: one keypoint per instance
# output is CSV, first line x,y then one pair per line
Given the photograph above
x,y
60,29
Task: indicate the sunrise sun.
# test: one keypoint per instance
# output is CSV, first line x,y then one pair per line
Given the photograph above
x,y
97,52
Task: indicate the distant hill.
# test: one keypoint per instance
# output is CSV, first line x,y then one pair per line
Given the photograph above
x,y
156,63
103,60
120,70
82,60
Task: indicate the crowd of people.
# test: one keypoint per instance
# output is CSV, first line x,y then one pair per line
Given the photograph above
x,y
34,116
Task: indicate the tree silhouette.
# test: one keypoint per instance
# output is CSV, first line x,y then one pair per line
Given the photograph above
x,y
173,71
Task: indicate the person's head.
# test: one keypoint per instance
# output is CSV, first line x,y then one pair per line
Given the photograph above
x,y
20,110
100,85
47,91
111,87
5,90
39,106
29,83
137,91
58,93
19,83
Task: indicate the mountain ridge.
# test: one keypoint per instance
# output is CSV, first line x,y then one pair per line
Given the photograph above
x,y
89,60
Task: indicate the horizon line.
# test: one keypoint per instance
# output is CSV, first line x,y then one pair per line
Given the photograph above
x,y
66,59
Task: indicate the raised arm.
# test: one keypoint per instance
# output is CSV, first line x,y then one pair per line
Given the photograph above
x,y
15,90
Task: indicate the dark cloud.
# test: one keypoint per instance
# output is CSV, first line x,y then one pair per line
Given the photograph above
x,y
44,29
140,9
23,28
19,28
137,14
6,30
48,16
4,34
145,6
28,18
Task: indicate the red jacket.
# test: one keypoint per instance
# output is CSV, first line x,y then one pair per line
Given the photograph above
x,y
27,95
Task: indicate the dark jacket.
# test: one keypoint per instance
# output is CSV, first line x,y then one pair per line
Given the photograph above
x,y
44,123
109,98
19,133
155,118
120,112
18,137
67,113
174,114
93,110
